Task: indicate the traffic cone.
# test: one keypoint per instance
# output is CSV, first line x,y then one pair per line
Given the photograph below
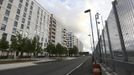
x,y
97,69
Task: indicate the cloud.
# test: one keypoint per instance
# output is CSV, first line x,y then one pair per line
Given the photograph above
x,y
71,14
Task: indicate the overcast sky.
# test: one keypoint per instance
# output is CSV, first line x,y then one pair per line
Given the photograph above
x,y
71,14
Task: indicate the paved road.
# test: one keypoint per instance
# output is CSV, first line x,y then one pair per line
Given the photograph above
x,y
69,67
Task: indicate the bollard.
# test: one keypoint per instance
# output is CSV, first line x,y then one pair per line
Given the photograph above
x,y
97,69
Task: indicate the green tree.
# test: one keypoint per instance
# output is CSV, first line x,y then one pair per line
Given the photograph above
x,y
51,48
27,45
65,51
4,45
73,51
36,46
13,45
20,44
59,49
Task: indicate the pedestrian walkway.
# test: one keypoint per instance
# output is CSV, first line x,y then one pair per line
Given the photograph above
x,y
107,71
31,63
24,64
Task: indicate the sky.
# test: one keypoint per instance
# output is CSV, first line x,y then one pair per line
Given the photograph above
x,y
71,14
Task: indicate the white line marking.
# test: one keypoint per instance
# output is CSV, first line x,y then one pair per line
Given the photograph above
x,y
75,69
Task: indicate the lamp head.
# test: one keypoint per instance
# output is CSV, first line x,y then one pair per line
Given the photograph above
x,y
87,11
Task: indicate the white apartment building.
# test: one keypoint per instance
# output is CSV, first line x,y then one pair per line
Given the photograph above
x,y
59,33
74,41
26,16
64,37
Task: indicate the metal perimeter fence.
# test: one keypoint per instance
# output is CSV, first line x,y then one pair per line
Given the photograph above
x,y
115,48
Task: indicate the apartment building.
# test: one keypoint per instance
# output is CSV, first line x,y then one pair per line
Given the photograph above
x,y
59,33
64,37
72,41
24,16
52,29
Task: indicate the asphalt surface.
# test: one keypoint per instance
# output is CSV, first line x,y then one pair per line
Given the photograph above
x,y
79,66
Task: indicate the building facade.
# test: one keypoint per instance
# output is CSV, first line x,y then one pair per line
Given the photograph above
x,y
72,41
24,16
52,29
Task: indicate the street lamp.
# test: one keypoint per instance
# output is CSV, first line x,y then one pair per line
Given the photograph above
x,y
90,42
89,11
98,33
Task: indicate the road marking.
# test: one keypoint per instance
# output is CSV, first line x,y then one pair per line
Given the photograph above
x,y
75,69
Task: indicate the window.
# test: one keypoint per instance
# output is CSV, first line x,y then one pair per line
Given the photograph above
x,y
3,27
24,15
15,23
28,23
1,1
18,11
27,0
5,20
32,3
29,18
26,4
4,35
42,39
14,30
17,17
19,6
9,6
22,26
23,20
27,27
12,37
21,1
30,12
25,9
11,1
7,13
31,7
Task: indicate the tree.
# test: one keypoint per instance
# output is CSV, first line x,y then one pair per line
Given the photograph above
x,y
59,49
65,51
36,45
13,45
20,44
27,47
4,45
73,51
51,48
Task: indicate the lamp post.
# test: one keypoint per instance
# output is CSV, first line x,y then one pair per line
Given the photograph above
x,y
98,34
90,41
89,11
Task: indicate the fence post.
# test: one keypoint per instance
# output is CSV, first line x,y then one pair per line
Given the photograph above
x,y
119,31
109,41
104,46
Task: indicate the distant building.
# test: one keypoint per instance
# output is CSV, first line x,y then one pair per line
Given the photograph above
x,y
74,41
64,37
